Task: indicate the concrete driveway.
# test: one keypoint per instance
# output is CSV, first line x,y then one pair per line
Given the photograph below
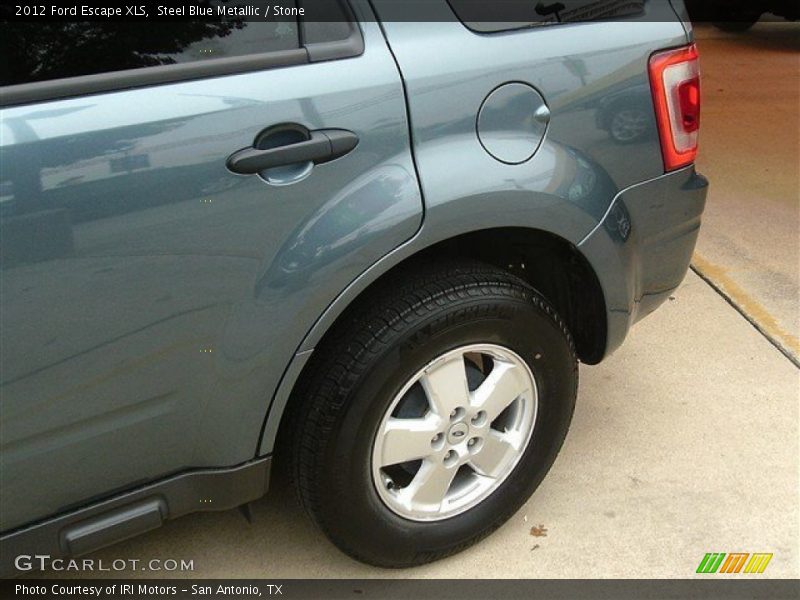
x,y
750,150
685,441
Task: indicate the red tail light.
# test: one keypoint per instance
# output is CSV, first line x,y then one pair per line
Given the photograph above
x,y
675,83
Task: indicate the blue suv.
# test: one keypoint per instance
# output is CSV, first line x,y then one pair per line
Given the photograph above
x,y
369,249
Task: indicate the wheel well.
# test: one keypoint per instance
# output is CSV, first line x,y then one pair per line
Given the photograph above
x,y
548,263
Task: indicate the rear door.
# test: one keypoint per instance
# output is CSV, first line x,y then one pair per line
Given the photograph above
x,y
150,297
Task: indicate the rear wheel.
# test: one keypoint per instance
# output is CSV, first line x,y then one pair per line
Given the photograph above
x,y
431,413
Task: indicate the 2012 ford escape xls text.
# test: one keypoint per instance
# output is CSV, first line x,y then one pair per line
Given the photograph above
x,y
370,249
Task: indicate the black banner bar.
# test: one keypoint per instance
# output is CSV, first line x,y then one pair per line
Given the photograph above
x,y
713,587
533,12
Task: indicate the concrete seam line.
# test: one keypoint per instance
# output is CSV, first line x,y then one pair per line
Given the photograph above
x,y
756,325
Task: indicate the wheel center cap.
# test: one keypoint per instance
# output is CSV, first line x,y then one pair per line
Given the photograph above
x,y
457,433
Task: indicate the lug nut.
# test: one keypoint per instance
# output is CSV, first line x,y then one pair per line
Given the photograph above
x,y
479,419
457,414
475,445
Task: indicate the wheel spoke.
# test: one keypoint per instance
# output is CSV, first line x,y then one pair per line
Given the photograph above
x,y
430,485
408,439
505,384
493,456
446,386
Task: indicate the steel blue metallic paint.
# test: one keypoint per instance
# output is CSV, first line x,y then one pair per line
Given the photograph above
x,y
151,299
157,309
642,249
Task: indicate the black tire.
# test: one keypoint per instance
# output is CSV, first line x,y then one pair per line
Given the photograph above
x,y
362,364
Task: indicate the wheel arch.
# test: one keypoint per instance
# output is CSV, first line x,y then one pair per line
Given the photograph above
x,y
548,262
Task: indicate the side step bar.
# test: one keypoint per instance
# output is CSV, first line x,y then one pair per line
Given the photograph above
x,y
134,512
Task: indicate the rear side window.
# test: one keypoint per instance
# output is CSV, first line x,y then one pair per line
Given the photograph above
x,y
33,52
327,22
504,15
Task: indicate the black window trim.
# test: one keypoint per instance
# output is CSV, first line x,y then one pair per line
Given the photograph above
x,y
113,81
349,47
